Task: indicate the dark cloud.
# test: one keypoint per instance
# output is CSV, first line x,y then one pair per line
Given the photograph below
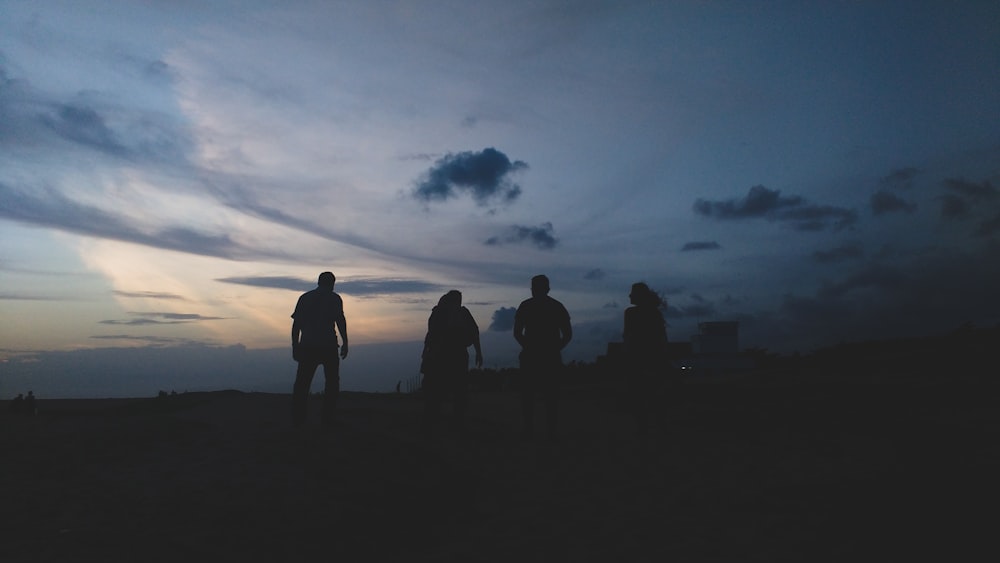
x,y
972,190
839,254
502,319
48,208
954,207
900,178
879,278
595,275
83,125
701,245
989,227
818,217
762,203
484,175
386,286
923,295
357,287
759,202
883,202
541,236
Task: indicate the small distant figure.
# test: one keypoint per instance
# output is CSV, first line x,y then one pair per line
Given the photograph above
x,y
645,337
451,329
17,404
30,408
542,328
398,383
318,315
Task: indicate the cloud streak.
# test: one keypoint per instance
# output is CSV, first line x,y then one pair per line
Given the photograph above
x,y
362,287
763,203
541,236
52,209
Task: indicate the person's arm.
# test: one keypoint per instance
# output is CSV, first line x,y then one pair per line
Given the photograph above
x,y
475,338
567,331
342,327
296,335
519,328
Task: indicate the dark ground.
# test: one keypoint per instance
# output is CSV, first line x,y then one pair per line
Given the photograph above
x,y
767,467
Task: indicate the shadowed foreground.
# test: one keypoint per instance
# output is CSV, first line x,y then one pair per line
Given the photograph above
x,y
748,469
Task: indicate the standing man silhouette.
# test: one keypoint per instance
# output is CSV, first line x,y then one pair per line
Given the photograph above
x,y
542,328
318,315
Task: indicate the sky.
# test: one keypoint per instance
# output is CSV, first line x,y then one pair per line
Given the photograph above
x,y
174,174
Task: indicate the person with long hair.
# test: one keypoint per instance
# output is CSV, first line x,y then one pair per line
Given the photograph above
x,y
645,337
451,329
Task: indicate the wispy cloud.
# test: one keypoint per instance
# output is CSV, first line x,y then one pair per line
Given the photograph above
x,y
839,254
147,295
541,236
360,287
900,178
160,318
50,208
701,245
763,203
883,202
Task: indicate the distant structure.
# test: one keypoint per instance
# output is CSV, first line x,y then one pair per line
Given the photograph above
x,y
717,338
715,349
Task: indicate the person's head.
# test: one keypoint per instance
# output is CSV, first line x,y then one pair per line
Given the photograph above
x,y
643,296
454,298
327,279
539,286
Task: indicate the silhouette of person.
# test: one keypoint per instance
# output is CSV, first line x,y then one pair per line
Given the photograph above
x,y
318,315
451,329
29,404
645,337
542,328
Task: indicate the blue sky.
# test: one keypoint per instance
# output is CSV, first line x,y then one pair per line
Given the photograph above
x,y
173,174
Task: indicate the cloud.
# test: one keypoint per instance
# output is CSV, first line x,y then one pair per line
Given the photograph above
x,y
152,318
146,295
595,275
972,190
954,207
541,236
83,125
484,175
989,226
502,319
762,203
839,254
900,178
700,245
964,198
883,202
363,287
875,277
272,282
49,208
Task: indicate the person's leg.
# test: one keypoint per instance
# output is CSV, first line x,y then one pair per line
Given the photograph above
x,y
460,396
551,397
331,371
300,391
526,388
